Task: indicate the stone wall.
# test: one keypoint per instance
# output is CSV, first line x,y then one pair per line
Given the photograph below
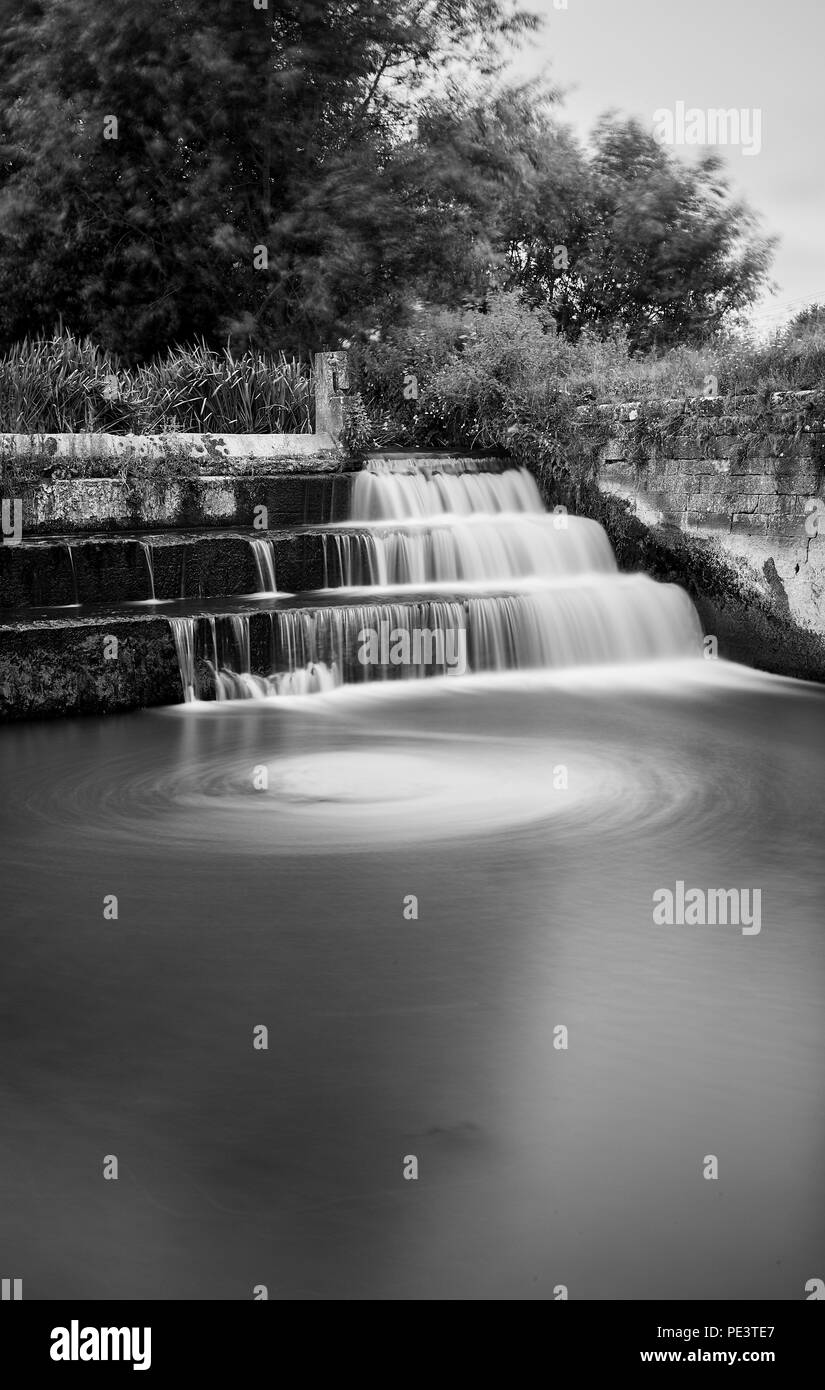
x,y
743,474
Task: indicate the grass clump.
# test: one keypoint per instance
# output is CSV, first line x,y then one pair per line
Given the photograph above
x,y
66,385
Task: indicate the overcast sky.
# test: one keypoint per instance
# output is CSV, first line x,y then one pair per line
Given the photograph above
x,y
642,55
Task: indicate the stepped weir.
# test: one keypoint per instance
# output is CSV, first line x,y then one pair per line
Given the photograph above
x,y
415,566
441,558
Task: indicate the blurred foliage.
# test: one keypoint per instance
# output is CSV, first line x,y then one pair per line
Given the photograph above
x,y
625,236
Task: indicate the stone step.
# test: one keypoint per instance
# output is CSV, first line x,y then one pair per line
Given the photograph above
x,y
288,498
333,596
84,505
57,665
435,460
84,557
71,569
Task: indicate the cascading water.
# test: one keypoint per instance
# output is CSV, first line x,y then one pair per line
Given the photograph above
x,y
263,553
445,569
390,494
183,632
476,547
150,568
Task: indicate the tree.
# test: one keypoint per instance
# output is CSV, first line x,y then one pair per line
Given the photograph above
x,y
170,169
626,235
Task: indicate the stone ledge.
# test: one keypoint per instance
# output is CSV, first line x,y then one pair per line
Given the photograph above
x,y
207,453
78,505
711,407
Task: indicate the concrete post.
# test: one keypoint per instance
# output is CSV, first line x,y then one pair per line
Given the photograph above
x,y
331,384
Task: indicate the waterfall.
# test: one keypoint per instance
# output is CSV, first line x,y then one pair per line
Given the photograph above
x,y
391,494
263,553
183,631
447,568
566,623
475,547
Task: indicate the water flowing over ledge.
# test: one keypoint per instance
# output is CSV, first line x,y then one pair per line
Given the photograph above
x,y
444,568
389,493
476,546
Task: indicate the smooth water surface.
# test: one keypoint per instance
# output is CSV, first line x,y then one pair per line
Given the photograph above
x,y
242,904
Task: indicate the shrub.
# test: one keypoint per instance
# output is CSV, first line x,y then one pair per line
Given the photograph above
x,y
357,433
502,378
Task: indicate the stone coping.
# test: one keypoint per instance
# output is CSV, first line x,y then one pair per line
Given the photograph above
x,y
214,453
742,403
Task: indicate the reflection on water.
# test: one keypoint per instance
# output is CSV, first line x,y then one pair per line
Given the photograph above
x,y
262,854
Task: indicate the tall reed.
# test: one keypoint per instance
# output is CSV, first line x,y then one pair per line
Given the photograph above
x,y
65,384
